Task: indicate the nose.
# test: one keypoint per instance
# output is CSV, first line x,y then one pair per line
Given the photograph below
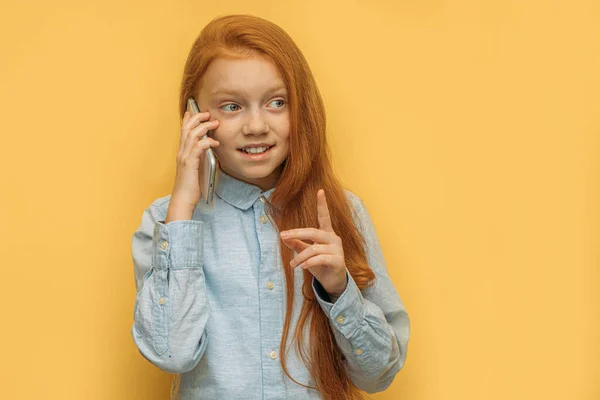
x,y
255,124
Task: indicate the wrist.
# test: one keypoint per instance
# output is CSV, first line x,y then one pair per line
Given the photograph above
x,y
177,217
336,294
178,213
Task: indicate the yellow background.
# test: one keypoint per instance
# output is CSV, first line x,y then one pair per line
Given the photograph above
x,y
470,128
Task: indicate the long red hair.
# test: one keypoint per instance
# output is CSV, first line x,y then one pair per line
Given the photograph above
x,y
294,200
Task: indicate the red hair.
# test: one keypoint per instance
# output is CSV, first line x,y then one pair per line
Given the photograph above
x,y
294,201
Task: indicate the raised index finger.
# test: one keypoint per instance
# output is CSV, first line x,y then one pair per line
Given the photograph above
x,y
323,212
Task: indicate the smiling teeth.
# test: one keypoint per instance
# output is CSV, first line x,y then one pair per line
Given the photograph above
x,y
255,150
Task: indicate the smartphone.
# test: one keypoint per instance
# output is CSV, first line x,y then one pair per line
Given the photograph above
x,y
208,180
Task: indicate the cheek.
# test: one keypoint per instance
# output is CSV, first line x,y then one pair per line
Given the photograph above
x,y
282,128
222,134
284,147
285,139
285,123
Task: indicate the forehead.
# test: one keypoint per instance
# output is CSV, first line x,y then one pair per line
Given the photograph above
x,y
245,74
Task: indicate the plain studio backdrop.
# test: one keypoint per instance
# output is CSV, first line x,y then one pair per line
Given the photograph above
x,y
470,129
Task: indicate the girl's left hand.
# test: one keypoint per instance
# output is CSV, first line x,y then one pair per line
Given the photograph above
x,y
325,257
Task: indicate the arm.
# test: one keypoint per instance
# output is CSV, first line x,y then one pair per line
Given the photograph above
x,y
371,326
171,308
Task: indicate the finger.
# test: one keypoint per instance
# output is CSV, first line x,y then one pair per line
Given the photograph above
x,y
312,251
323,212
320,260
313,234
200,146
196,134
202,129
295,244
195,120
186,128
203,145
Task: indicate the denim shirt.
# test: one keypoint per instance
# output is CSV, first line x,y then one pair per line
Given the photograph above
x,y
210,302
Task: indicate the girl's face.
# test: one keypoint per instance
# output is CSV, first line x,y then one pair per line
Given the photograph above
x,y
250,100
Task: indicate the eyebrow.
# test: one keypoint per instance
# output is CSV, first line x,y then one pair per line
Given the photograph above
x,y
235,92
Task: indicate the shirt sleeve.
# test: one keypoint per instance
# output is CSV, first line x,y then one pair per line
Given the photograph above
x,y
371,326
171,308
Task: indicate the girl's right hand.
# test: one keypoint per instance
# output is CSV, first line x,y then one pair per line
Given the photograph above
x,y
190,161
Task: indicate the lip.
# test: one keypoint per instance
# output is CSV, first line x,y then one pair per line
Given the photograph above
x,y
257,145
256,157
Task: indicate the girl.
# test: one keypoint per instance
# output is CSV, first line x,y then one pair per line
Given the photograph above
x,y
284,259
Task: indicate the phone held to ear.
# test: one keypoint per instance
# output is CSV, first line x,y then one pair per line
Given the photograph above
x,y
208,180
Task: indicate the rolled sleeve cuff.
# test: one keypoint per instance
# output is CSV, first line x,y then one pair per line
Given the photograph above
x,y
178,244
348,311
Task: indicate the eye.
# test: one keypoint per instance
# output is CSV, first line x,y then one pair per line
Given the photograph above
x,y
230,104
280,102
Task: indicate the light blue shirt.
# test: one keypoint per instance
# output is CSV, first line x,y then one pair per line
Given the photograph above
x,y
210,302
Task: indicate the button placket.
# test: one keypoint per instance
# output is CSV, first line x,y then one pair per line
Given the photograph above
x,y
270,301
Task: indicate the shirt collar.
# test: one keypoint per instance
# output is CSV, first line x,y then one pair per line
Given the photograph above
x,y
238,193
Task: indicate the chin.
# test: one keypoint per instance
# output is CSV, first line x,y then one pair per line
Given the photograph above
x,y
257,172
254,172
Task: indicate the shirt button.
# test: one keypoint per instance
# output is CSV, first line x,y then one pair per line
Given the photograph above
x,y
263,199
270,285
263,219
161,300
340,319
273,355
358,352
164,245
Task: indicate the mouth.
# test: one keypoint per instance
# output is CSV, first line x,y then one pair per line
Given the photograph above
x,y
256,149
256,153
